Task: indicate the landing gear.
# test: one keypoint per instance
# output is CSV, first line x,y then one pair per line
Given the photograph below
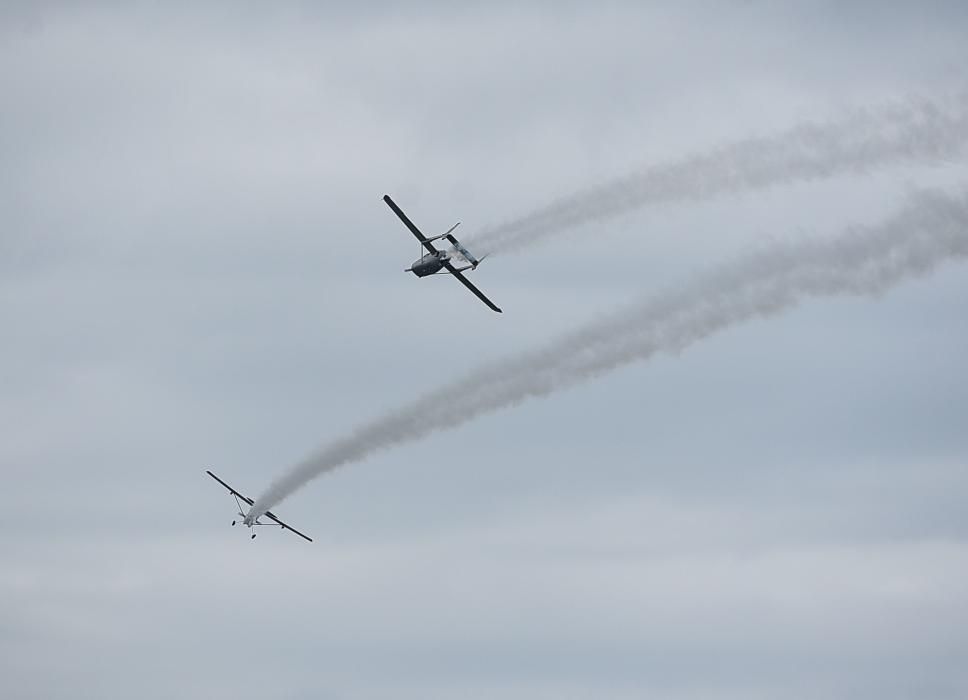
x,y
233,523
253,536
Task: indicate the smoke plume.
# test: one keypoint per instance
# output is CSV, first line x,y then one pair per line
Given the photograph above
x,y
911,132
864,260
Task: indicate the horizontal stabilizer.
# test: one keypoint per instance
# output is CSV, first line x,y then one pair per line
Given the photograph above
x,y
444,235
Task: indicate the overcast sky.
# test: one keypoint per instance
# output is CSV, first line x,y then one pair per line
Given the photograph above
x,y
197,271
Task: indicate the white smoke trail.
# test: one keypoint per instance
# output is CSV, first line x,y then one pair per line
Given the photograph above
x,y
865,260
911,132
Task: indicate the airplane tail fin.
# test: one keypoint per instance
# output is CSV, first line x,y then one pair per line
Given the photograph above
x,y
463,251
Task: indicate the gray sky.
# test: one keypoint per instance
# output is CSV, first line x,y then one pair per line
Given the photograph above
x,y
196,270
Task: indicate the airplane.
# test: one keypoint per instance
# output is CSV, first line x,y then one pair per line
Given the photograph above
x,y
435,260
250,522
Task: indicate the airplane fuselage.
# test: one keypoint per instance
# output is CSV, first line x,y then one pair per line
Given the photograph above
x,y
428,264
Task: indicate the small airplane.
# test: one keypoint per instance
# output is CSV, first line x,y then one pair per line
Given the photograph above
x,y
250,522
435,260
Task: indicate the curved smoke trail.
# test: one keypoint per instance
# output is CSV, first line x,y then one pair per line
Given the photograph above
x,y
914,131
865,260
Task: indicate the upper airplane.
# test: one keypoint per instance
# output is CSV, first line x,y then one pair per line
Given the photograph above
x,y
435,260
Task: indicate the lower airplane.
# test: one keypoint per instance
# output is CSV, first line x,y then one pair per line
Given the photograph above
x,y
249,521
436,260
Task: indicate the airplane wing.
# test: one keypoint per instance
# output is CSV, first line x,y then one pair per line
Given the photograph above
x,y
467,283
409,224
287,527
231,490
